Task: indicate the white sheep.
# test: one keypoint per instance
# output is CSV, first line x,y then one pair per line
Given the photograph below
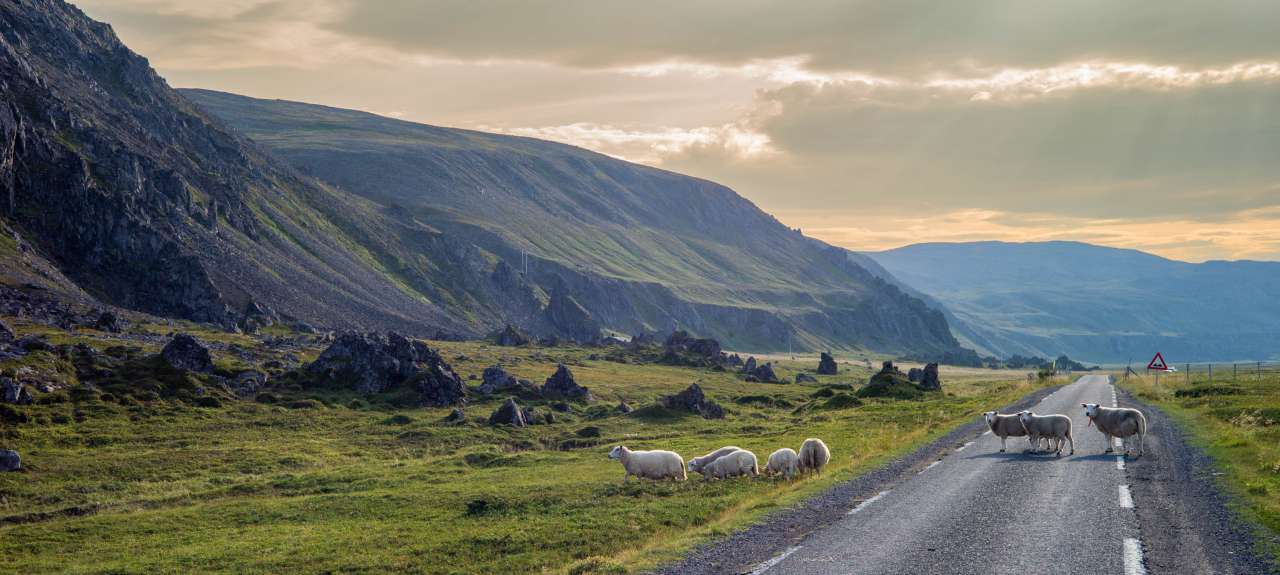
x,y
649,464
1121,422
814,455
735,464
783,462
1055,428
1004,426
698,464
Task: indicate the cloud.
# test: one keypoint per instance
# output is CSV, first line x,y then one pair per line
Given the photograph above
x,y
650,145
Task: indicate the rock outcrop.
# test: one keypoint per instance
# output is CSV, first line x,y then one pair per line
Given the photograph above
x,y
109,322
914,374
805,378
890,382
827,365
763,373
570,319
374,363
749,366
694,401
186,352
682,349
10,460
511,336
561,385
497,380
14,392
7,335
509,413
929,378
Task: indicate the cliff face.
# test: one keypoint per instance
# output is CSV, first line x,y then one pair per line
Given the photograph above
x,y
144,200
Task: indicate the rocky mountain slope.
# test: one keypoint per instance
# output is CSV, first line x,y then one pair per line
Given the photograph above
x,y
1096,303
144,200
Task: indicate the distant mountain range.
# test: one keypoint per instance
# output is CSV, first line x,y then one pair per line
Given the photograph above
x,y
1093,303
222,208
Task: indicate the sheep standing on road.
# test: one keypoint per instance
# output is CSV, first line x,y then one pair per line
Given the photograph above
x,y
1004,426
783,462
649,464
1119,422
813,455
735,464
699,464
1056,429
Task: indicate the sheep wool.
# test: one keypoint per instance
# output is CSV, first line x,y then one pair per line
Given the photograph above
x,y
784,462
649,464
813,455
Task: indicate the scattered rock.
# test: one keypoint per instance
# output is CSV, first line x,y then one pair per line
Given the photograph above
x,y
693,400
7,335
913,374
508,414
561,385
375,363
511,336
14,392
456,416
247,383
734,360
562,407
109,322
623,407
9,460
763,374
186,352
497,380
34,343
805,378
929,378
827,365
749,366
682,349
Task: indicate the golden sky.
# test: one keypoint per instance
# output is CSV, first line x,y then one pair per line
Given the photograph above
x,y
1142,124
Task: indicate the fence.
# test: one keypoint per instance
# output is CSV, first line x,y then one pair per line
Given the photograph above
x,y
1214,372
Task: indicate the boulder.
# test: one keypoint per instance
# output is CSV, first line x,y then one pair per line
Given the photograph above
x,y
456,416
764,374
34,343
561,385
929,378
913,374
749,366
805,378
7,335
734,360
497,380
508,414
827,364
890,382
374,363
9,460
511,336
623,407
683,349
570,319
14,392
247,383
186,352
109,322
694,401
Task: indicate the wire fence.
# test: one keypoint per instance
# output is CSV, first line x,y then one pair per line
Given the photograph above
x,y
1219,372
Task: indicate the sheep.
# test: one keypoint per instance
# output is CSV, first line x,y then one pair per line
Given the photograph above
x,y
784,462
814,455
1056,429
649,464
697,464
1004,426
735,464
1121,422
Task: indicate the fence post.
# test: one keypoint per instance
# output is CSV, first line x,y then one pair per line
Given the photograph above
x,y
1188,374
1211,374
1233,372
1259,372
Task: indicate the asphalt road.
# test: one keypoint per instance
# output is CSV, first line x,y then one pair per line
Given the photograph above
x,y
957,505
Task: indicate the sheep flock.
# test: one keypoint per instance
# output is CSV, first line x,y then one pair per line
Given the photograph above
x,y
724,463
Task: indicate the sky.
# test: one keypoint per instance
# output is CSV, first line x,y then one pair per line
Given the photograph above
x,y
1141,124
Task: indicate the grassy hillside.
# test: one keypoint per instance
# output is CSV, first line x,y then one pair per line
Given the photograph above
x,y
323,481
1095,303
1238,423
641,248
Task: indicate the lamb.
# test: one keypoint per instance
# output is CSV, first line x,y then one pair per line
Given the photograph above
x,y
1055,428
1119,422
814,455
783,462
735,464
649,464
1004,426
698,464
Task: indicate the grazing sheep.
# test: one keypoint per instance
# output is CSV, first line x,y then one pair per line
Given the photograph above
x,y
784,462
735,464
697,464
1119,422
814,455
1004,426
1056,429
649,464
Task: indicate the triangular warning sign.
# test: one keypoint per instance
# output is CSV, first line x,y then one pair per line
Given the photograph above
x,y
1157,363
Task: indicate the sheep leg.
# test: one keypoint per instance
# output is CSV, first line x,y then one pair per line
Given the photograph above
x,y
1073,444
1110,443
626,477
1002,440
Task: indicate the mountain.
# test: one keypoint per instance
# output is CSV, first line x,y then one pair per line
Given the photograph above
x,y
146,200
1096,303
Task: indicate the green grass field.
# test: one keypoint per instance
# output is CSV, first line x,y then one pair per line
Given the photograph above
x,y
339,486
1238,424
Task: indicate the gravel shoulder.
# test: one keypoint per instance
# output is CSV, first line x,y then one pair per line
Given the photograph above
x,y
740,552
1185,517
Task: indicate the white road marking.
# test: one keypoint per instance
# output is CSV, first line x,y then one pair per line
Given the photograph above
x,y
1126,499
1133,557
1116,441
1120,462
961,448
929,466
866,502
761,568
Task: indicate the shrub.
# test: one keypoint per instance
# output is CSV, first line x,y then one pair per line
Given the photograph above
x,y
303,404
207,401
398,419
589,431
1203,390
267,398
